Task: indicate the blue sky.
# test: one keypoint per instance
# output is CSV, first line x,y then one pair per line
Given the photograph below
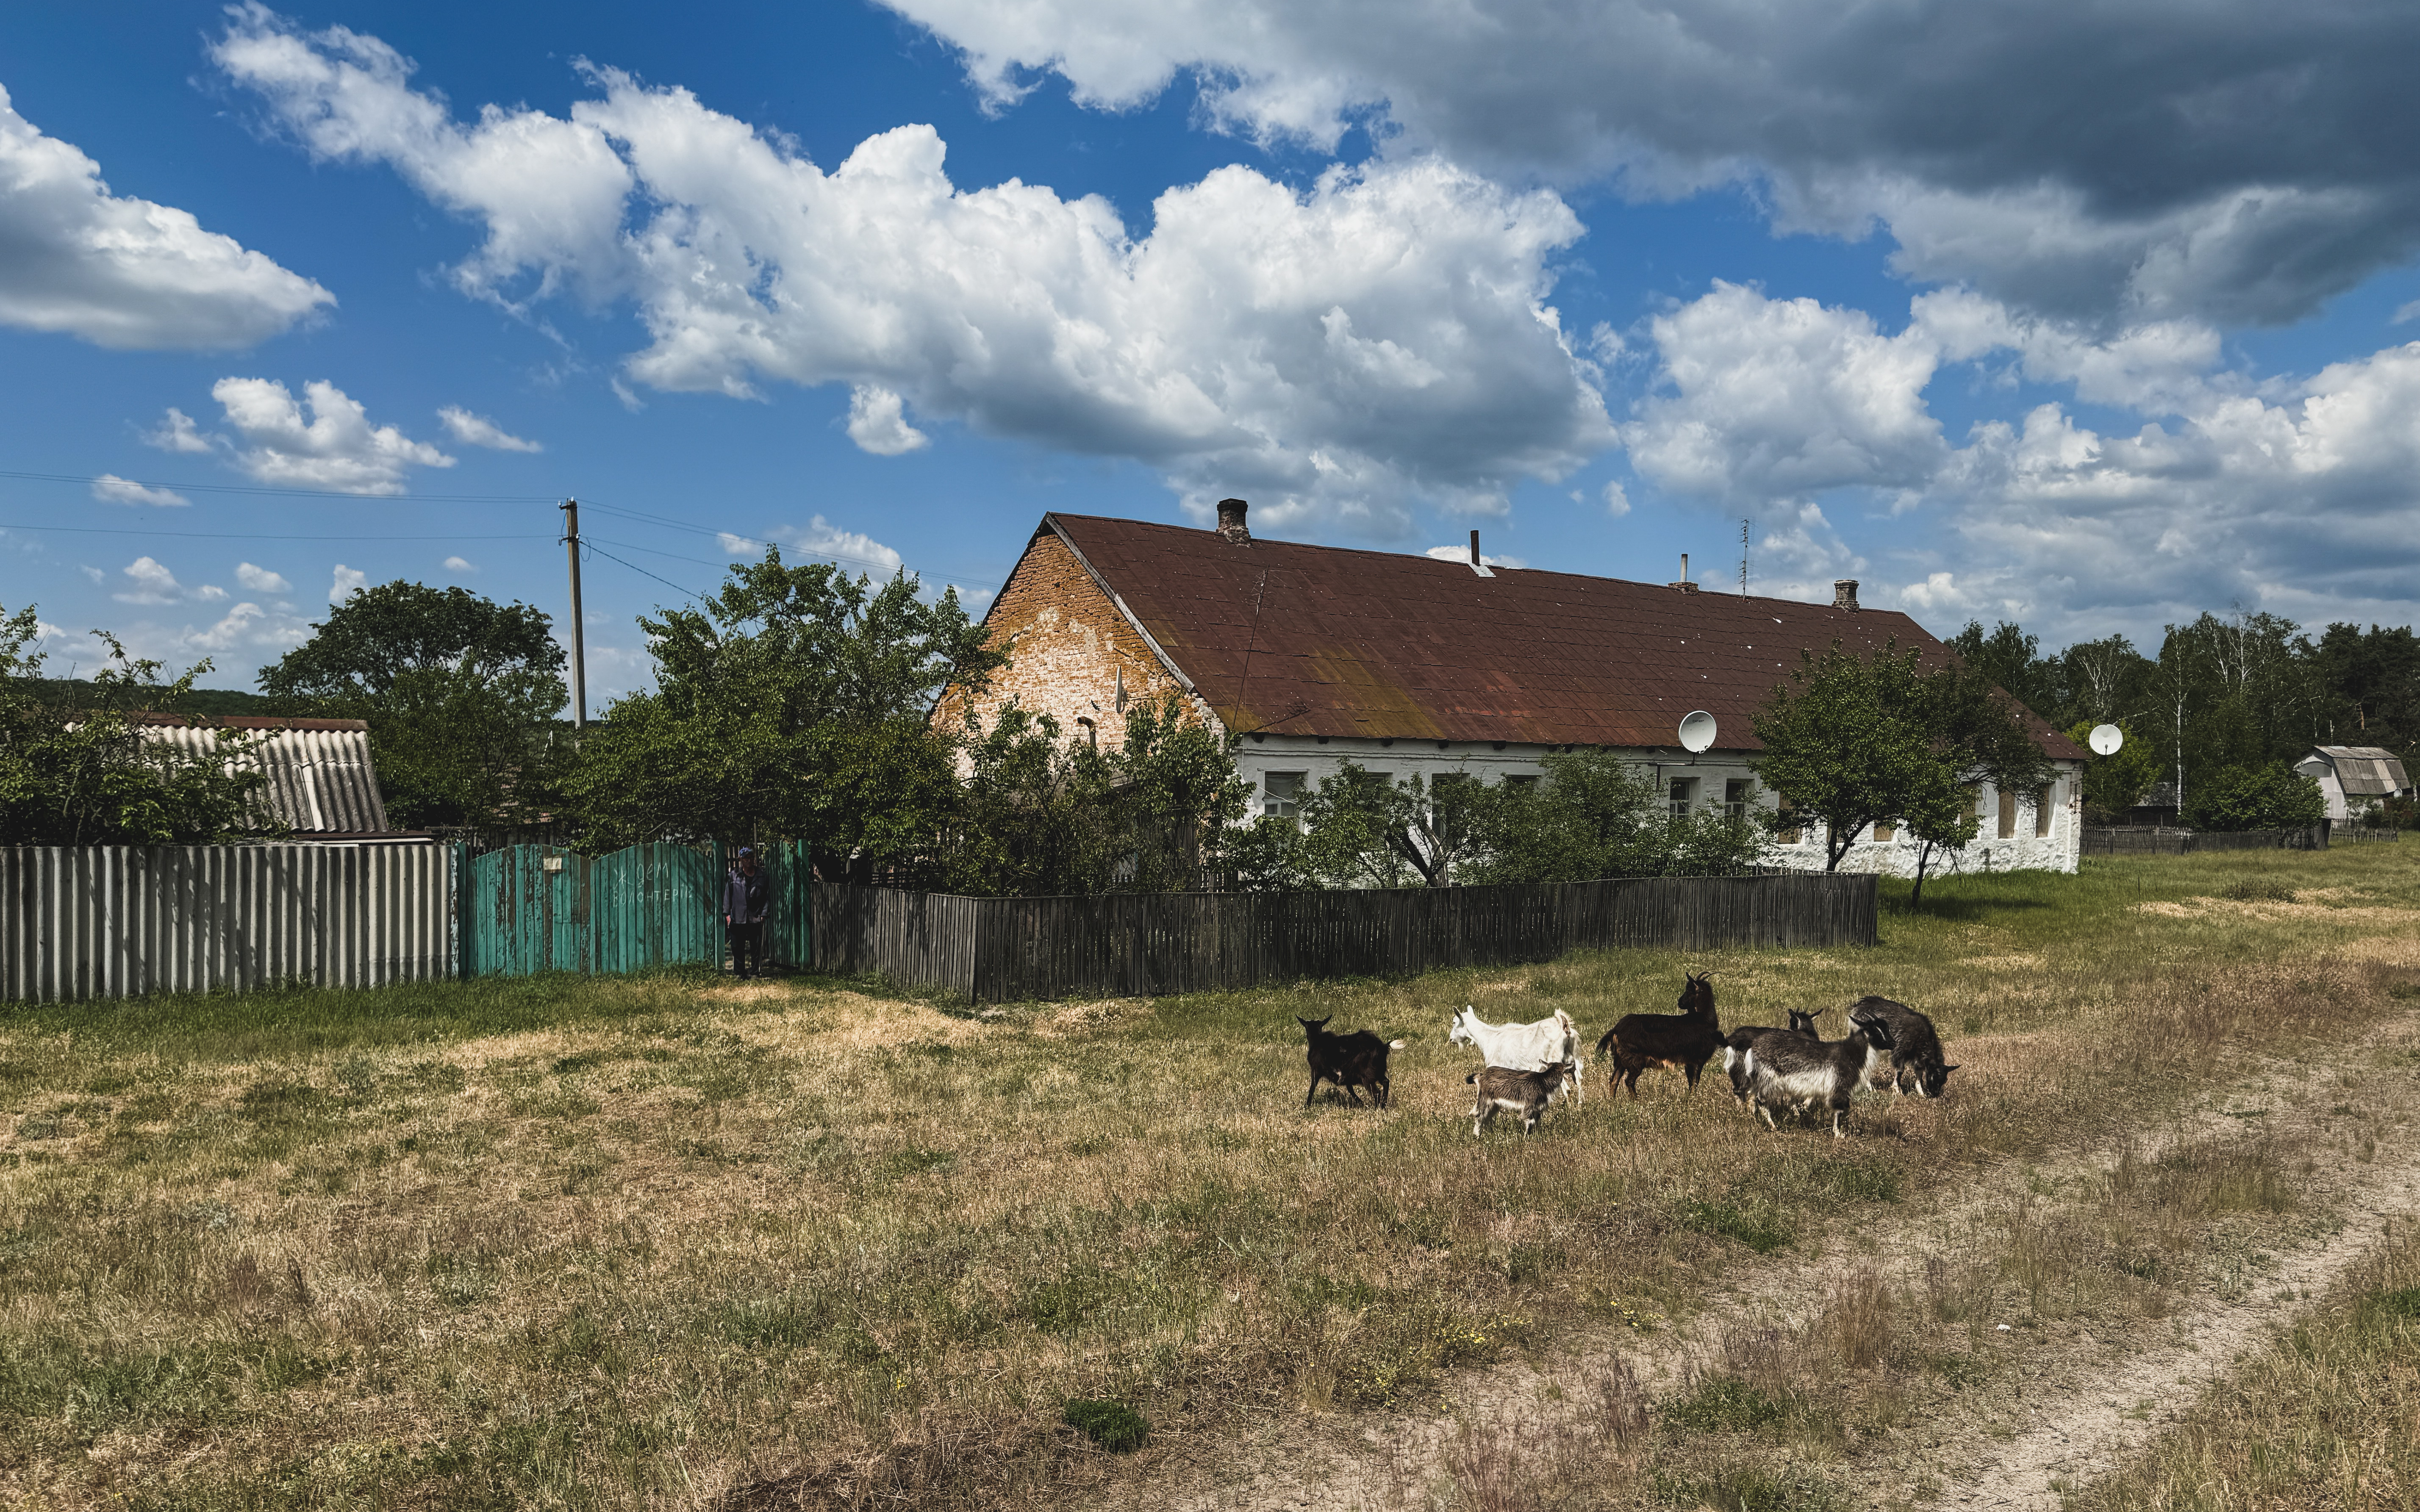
x,y
2091,316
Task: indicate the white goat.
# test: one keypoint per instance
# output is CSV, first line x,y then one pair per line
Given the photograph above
x,y
1550,1041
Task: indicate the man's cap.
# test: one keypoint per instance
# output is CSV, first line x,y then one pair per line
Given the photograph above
x,y
744,851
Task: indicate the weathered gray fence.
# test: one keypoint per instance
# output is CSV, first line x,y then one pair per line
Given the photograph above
x,y
2125,841
114,921
997,949
2349,835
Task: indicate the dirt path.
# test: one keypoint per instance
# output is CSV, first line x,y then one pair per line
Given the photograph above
x,y
2080,1406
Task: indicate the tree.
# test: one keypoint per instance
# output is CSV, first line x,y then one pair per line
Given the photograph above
x,y
795,703
2268,797
459,692
1593,814
83,776
2011,658
1854,740
1358,830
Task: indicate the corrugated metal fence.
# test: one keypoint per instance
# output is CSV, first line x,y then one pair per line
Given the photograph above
x,y
995,950
532,908
109,921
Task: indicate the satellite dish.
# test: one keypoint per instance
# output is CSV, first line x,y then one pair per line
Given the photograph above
x,y
1696,732
2106,738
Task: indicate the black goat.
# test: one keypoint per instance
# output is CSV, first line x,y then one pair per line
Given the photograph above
x,y
1735,1048
1685,1040
1915,1044
1349,1060
1796,1074
1504,1090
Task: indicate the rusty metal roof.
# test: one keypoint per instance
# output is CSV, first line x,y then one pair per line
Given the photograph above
x,y
320,781
1327,641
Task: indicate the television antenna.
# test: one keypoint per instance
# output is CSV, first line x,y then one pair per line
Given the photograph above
x,y
1743,558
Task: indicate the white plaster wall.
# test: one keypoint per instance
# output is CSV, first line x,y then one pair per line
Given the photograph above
x,y
2055,851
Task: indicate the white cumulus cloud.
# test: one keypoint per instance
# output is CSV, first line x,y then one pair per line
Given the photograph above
x,y
348,582
124,273
878,423
1339,351
176,432
260,580
109,488
819,537
2096,158
478,430
336,448
460,564
153,583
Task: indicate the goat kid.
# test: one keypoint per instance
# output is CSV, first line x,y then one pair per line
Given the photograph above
x,y
1795,1072
1349,1060
1915,1044
1550,1041
1736,1047
1685,1040
1503,1090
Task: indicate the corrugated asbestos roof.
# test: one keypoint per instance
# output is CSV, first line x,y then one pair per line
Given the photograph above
x,y
321,779
1325,640
2367,771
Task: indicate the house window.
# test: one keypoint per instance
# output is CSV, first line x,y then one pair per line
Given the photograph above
x,y
1735,796
2042,810
1282,794
1527,782
1684,792
1789,833
1883,833
2008,815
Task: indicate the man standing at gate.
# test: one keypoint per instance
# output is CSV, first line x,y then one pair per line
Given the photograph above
x,y
747,897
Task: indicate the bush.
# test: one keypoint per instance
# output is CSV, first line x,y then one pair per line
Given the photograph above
x,y
2274,796
1113,1426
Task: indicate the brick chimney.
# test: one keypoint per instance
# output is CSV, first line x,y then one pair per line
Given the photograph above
x,y
1231,521
1844,593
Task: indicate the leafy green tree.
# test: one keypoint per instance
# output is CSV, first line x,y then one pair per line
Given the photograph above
x,y
1939,814
2372,682
1357,830
459,693
2272,795
83,776
1593,814
1853,740
795,703
2013,660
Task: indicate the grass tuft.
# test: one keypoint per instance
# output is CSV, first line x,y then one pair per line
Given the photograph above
x,y
1113,1426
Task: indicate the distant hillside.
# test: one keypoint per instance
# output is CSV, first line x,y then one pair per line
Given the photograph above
x,y
78,690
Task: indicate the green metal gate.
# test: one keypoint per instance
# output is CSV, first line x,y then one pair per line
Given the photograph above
x,y
532,908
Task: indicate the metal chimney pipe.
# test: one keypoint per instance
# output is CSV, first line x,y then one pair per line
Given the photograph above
x,y
1474,549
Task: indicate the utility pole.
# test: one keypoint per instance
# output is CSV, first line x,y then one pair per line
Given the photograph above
x,y
579,640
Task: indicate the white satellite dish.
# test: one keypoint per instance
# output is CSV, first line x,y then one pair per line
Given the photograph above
x,y
2106,738
1696,732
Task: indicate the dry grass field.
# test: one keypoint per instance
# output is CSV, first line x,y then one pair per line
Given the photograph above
x,y
675,1242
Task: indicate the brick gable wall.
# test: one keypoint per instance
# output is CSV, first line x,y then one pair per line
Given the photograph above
x,y
1068,646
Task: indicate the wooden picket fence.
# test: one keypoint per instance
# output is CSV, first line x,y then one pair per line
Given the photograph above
x,y
1134,944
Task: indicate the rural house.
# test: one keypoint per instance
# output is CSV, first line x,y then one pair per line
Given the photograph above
x,y
2355,778
1317,655
320,781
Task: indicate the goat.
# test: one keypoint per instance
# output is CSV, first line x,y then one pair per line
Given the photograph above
x,y
1915,1044
1502,1089
1685,1040
1349,1060
1799,1072
1550,1041
1736,1047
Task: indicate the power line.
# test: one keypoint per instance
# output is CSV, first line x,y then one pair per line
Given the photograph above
x,y
590,542
247,535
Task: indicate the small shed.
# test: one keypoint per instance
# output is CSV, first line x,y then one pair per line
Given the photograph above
x,y
320,780
2354,778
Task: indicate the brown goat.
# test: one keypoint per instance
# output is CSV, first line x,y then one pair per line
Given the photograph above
x,y
1685,1040
1349,1060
